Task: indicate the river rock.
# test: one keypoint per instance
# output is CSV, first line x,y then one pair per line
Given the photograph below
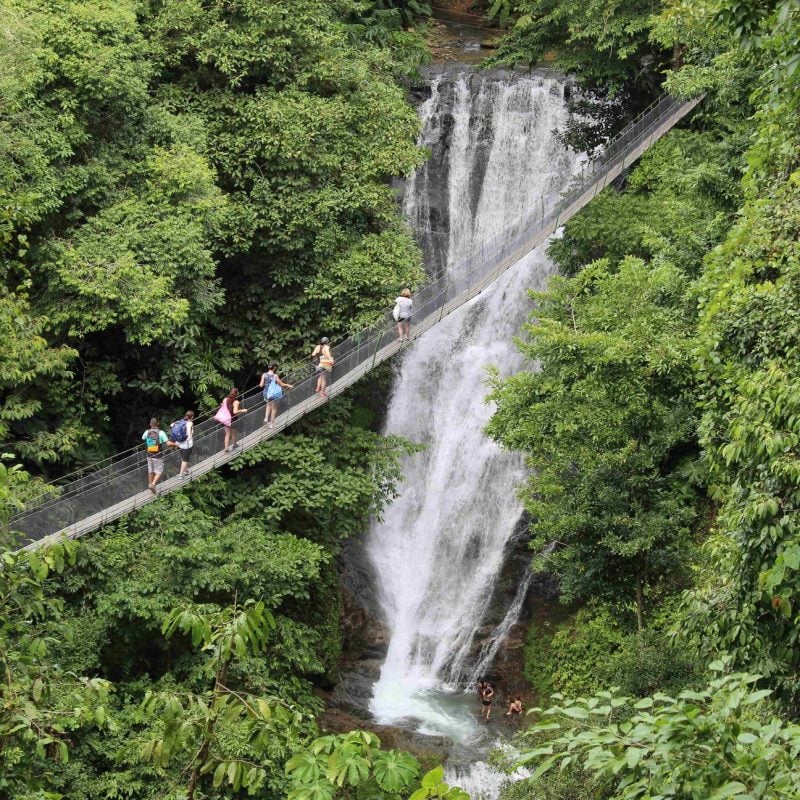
x,y
430,750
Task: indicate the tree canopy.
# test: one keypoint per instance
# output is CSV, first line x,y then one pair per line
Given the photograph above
x,y
708,378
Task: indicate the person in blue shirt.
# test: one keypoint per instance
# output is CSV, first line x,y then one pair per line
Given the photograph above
x,y
154,439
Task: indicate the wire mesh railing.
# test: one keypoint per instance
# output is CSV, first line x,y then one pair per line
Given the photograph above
x,y
110,488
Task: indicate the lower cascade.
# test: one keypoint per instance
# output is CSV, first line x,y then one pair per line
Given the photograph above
x,y
437,553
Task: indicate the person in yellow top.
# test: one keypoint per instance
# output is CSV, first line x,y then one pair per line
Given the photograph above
x,y
323,365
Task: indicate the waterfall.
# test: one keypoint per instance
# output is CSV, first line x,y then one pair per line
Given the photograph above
x,y
441,545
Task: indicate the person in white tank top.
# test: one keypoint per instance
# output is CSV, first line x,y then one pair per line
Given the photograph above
x,y
403,311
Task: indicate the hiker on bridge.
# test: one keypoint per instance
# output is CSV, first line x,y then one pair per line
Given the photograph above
x,y
227,415
272,388
181,435
154,440
402,313
323,363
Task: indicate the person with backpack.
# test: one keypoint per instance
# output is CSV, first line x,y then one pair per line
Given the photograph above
x,y
227,415
181,435
323,362
154,440
272,388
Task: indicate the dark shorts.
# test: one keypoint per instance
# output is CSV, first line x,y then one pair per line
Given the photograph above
x,y
487,702
186,454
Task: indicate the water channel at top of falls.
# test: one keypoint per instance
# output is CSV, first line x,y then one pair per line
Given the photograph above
x,y
437,554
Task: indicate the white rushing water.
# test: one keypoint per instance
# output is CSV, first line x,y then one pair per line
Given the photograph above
x,y
441,545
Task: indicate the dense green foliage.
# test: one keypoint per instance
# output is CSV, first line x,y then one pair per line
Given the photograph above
x,y
749,363
43,705
716,743
187,191
606,43
595,648
353,767
684,380
607,424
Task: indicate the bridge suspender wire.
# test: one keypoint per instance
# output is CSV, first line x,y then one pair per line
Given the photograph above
x,y
107,491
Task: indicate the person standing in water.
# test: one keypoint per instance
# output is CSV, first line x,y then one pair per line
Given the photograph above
x,y
154,440
515,709
403,310
323,365
486,699
272,388
481,685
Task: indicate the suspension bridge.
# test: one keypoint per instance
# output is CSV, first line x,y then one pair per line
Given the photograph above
x,y
101,493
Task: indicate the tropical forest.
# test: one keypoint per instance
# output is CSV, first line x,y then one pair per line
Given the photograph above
x,y
400,399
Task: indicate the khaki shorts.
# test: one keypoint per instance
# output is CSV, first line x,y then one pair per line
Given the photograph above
x,y
155,465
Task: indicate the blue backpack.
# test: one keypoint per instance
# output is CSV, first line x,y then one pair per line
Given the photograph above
x,y
179,432
272,389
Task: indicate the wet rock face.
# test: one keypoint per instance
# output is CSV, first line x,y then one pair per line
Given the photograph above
x,y
365,637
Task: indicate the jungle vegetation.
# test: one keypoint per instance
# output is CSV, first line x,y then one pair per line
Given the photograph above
x,y
188,190
662,428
